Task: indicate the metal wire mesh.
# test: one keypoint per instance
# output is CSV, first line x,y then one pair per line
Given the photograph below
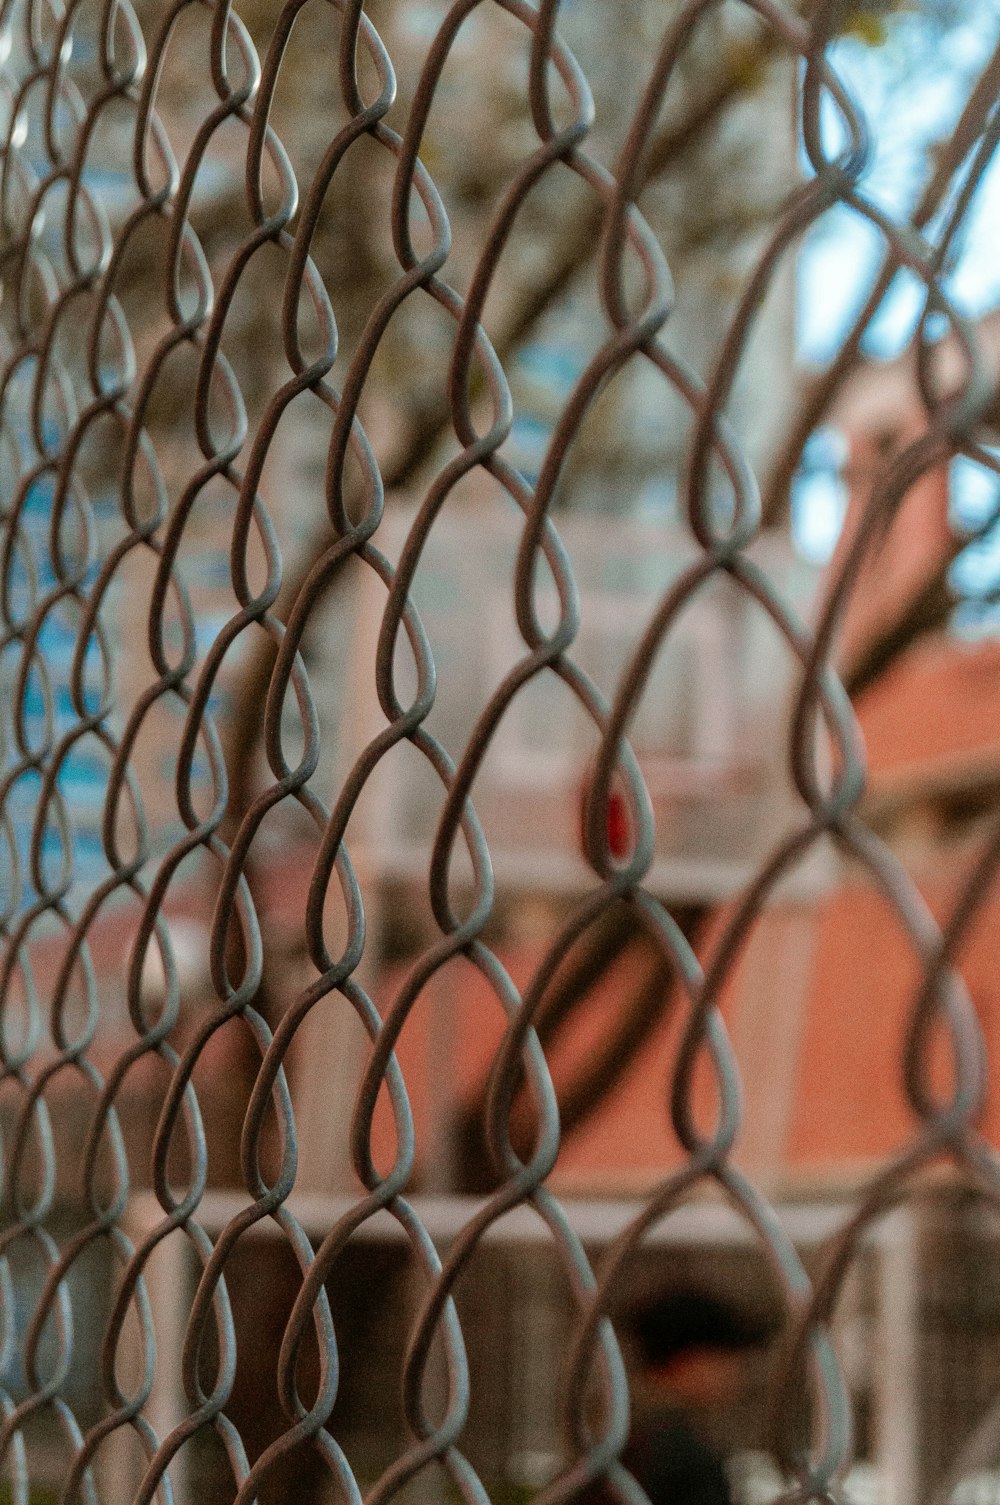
x,y
173,280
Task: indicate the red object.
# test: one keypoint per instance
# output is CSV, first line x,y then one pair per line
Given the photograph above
x,y
619,835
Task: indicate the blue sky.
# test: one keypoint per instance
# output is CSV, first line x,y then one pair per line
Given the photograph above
x,y
912,88
912,94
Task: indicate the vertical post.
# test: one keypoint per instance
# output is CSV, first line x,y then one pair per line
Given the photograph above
x,y
169,1279
537,1347
898,1372
168,1282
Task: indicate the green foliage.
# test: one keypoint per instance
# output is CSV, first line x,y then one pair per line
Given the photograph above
x,y
866,25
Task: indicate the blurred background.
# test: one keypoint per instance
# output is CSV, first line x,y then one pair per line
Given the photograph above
x,y
102,663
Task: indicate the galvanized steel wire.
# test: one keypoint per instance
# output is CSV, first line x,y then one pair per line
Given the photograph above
x,y
75,364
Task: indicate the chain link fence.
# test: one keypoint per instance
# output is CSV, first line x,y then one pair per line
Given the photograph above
x,y
400,435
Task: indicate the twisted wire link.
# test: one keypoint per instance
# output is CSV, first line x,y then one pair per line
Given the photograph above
x,y
95,372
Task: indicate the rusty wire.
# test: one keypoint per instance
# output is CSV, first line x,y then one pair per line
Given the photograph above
x,y
75,365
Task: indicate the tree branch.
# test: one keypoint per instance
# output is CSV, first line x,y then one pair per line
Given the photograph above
x,y
428,427
820,394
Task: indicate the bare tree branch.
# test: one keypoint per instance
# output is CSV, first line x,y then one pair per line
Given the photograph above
x,y
820,394
429,426
618,934
927,610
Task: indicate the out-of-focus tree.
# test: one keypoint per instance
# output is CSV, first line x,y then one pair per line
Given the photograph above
x,y
718,173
